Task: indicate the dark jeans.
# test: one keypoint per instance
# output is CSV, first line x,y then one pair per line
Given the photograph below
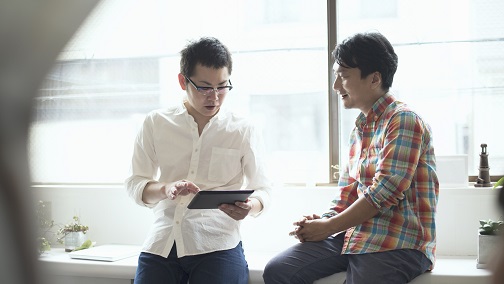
x,y
228,266
309,261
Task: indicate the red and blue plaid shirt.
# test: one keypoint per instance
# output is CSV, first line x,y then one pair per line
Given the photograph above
x,y
392,165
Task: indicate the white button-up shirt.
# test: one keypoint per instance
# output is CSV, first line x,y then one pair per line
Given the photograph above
x,y
225,157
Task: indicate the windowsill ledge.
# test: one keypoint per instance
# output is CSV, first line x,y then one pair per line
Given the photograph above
x,y
461,270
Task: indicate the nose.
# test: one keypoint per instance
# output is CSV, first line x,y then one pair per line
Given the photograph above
x,y
337,84
214,95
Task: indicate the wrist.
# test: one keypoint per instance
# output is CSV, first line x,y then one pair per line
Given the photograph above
x,y
255,206
333,224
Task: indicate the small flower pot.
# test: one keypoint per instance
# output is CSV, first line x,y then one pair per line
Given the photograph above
x,y
487,245
74,240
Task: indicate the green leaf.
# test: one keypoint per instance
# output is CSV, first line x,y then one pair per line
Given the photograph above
x,y
87,244
500,182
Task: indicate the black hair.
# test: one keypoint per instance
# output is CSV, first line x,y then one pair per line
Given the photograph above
x,y
370,52
207,51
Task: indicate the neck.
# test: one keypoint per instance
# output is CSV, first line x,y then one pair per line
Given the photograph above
x,y
372,100
200,120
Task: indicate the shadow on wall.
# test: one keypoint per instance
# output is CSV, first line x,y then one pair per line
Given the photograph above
x,y
32,35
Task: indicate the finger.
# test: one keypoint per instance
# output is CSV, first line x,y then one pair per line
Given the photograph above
x,y
300,238
194,190
228,209
191,187
178,188
242,205
307,217
172,192
300,222
235,215
236,208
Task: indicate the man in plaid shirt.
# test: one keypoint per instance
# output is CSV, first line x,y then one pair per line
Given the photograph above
x,y
381,226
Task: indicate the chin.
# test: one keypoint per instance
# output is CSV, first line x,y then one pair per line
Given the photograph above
x,y
207,112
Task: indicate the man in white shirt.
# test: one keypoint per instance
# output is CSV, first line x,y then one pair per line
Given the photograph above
x,y
182,150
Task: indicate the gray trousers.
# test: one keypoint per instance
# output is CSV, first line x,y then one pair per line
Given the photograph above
x,y
309,261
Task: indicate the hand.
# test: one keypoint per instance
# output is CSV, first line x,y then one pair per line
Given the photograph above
x,y
311,229
237,211
301,222
181,187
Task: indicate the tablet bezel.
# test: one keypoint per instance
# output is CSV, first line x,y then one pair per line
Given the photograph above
x,y
211,199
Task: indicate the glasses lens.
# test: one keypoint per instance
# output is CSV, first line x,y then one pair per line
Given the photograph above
x,y
223,90
207,91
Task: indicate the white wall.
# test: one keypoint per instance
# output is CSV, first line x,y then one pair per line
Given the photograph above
x,y
114,218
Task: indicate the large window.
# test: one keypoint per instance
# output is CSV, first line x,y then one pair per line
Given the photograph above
x,y
124,62
451,67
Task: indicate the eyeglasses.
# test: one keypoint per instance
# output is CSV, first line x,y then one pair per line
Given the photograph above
x,y
206,91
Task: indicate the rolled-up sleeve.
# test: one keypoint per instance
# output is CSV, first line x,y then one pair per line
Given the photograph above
x,y
397,160
144,163
255,168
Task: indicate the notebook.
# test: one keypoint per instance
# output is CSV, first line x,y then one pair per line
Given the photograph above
x,y
109,252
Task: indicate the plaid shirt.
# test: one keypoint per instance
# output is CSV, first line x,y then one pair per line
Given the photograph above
x,y
392,165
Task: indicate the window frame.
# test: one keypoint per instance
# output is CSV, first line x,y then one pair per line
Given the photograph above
x,y
334,113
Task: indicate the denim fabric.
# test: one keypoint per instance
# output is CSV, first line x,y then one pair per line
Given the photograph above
x,y
228,266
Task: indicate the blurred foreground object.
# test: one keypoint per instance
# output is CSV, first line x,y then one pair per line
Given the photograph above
x,y
32,35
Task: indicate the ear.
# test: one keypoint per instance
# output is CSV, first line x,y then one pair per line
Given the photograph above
x,y
182,81
376,80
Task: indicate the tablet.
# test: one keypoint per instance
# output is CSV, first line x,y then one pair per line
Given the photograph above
x,y
211,199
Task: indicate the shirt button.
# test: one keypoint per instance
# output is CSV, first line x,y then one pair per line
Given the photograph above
x,y
177,222
192,172
196,150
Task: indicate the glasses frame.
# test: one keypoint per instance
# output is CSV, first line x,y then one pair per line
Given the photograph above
x,y
206,91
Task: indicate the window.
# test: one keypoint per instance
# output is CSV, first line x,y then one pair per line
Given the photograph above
x,y
451,68
124,62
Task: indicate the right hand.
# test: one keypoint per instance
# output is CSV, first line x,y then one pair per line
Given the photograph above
x,y
299,224
181,187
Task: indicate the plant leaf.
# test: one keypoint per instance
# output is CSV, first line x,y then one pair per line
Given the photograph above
x,y
499,183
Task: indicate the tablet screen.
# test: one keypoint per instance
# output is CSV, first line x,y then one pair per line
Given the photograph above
x,y
211,199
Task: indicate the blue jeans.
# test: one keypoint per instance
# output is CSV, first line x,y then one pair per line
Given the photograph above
x,y
228,266
309,261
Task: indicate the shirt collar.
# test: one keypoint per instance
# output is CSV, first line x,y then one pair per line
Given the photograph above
x,y
376,111
182,110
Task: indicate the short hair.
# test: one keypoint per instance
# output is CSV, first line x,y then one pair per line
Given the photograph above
x,y
370,52
207,51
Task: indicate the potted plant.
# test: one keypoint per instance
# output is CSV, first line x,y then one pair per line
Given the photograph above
x,y
488,240
72,234
46,225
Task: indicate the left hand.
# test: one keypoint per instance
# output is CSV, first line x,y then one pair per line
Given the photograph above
x,y
237,211
312,229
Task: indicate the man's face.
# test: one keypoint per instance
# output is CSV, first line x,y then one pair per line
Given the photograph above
x,y
355,92
208,105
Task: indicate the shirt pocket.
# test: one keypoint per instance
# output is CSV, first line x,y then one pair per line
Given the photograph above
x,y
224,164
